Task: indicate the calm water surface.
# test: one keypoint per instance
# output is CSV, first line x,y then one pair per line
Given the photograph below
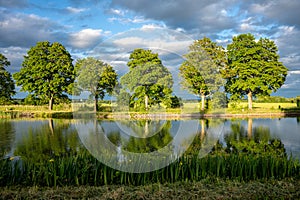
x,y
63,137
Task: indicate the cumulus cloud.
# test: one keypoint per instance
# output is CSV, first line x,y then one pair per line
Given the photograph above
x,y
25,30
86,38
15,56
186,14
169,44
279,11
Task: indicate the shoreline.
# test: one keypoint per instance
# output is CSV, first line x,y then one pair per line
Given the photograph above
x,y
133,115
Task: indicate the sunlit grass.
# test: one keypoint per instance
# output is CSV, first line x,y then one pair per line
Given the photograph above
x,y
111,109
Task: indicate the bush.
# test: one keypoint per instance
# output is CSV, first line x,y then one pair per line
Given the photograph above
x,y
176,102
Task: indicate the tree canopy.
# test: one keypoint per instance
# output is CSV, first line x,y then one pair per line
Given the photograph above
x,y
148,79
97,77
200,71
253,67
47,71
7,85
142,56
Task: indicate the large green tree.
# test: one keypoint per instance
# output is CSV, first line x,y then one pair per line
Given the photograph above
x,y
47,71
253,67
7,85
201,71
97,77
148,79
142,56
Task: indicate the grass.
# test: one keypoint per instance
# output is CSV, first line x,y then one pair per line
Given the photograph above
x,y
209,188
65,110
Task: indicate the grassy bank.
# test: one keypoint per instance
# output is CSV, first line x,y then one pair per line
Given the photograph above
x,y
65,111
210,188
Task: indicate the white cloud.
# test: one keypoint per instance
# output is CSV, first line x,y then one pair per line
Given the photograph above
x,y
126,20
86,38
25,30
151,27
117,12
294,72
75,10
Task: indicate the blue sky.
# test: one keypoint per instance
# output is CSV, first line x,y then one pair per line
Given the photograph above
x,y
110,29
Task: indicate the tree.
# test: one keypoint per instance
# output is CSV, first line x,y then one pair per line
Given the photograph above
x,y
148,79
142,56
7,85
253,67
201,69
97,77
47,71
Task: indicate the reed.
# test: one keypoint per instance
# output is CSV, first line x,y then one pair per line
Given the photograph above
x,y
83,169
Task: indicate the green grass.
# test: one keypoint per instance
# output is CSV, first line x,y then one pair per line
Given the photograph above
x,y
65,110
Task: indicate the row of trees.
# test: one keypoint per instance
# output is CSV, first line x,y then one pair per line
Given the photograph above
x,y
247,67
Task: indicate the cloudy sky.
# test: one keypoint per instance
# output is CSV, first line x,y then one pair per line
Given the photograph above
x,y
110,29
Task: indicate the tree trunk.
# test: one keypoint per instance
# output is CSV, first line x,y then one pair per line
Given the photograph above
x,y
249,128
250,100
146,102
96,104
202,102
51,103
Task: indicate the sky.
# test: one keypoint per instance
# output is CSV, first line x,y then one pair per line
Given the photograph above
x,y
111,29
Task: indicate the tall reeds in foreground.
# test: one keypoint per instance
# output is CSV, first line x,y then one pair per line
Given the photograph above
x,y
83,169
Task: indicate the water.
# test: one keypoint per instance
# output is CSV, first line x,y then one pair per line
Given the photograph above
x,y
122,140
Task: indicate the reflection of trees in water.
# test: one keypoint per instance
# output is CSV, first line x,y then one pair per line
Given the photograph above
x,y
207,136
7,135
56,138
144,145
256,140
142,128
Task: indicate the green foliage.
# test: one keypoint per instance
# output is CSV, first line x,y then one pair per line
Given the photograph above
x,y
33,100
47,71
141,56
7,85
96,77
201,70
149,81
253,67
123,98
176,102
219,100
